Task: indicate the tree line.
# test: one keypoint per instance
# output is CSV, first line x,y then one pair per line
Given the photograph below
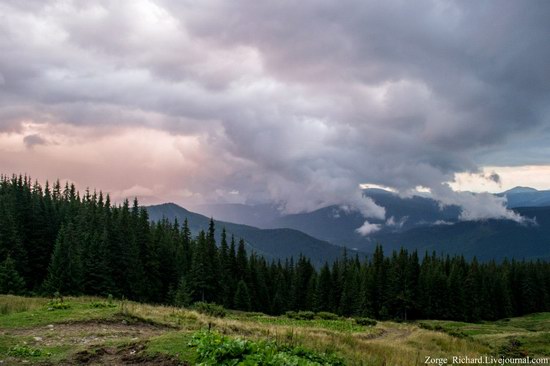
x,y
53,239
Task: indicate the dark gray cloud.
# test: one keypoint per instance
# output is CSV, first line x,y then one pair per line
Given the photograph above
x,y
494,177
33,140
298,102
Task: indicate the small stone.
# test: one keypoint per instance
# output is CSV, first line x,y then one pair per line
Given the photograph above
x,y
124,322
49,326
38,339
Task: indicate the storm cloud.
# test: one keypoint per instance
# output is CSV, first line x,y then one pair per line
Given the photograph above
x,y
295,103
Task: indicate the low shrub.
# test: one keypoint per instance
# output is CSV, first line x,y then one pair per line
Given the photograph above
x,y
439,328
215,349
300,315
325,315
366,322
456,333
104,304
427,326
210,309
512,349
24,351
57,305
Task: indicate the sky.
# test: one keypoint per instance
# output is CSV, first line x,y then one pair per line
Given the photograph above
x,y
296,103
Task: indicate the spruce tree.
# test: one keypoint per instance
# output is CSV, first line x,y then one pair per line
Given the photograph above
x,y
241,262
65,269
97,279
242,297
201,276
184,293
10,281
225,272
322,297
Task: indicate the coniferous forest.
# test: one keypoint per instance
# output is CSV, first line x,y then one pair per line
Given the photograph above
x,y
54,239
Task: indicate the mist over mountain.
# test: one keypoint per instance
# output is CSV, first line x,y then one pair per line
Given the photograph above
x,y
486,240
420,223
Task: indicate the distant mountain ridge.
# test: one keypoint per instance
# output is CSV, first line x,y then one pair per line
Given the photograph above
x,y
526,197
270,243
486,240
254,215
419,223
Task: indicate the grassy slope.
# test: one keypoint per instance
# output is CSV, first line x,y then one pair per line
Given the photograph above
x,y
127,329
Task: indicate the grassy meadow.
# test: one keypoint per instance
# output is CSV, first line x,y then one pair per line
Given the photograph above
x,y
96,331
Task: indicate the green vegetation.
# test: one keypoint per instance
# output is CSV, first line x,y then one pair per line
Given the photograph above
x,y
529,334
215,349
55,240
24,351
366,322
58,303
344,325
140,333
325,315
209,309
300,315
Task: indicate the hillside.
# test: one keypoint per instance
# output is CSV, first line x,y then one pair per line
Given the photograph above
x,y
271,243
95,331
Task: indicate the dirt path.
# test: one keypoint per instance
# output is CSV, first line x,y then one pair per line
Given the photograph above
x,y
397,334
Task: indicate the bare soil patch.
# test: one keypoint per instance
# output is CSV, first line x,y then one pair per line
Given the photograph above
x,y
87,333
124,355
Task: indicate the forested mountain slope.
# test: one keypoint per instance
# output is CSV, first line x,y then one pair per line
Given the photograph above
x,y
271,243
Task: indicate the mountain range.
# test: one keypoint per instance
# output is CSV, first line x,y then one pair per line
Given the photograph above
x,y
416,223
526,197
278,243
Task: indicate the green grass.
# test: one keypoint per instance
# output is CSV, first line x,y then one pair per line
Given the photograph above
x,y
172,343
533,331
38,314
164,330
14,304
341,325
18,347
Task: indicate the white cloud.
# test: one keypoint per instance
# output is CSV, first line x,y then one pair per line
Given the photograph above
x,y
368,228
476,206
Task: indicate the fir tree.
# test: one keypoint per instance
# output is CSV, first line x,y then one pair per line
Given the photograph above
x,y
10,280
322,298
242,297
65,270
184,294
